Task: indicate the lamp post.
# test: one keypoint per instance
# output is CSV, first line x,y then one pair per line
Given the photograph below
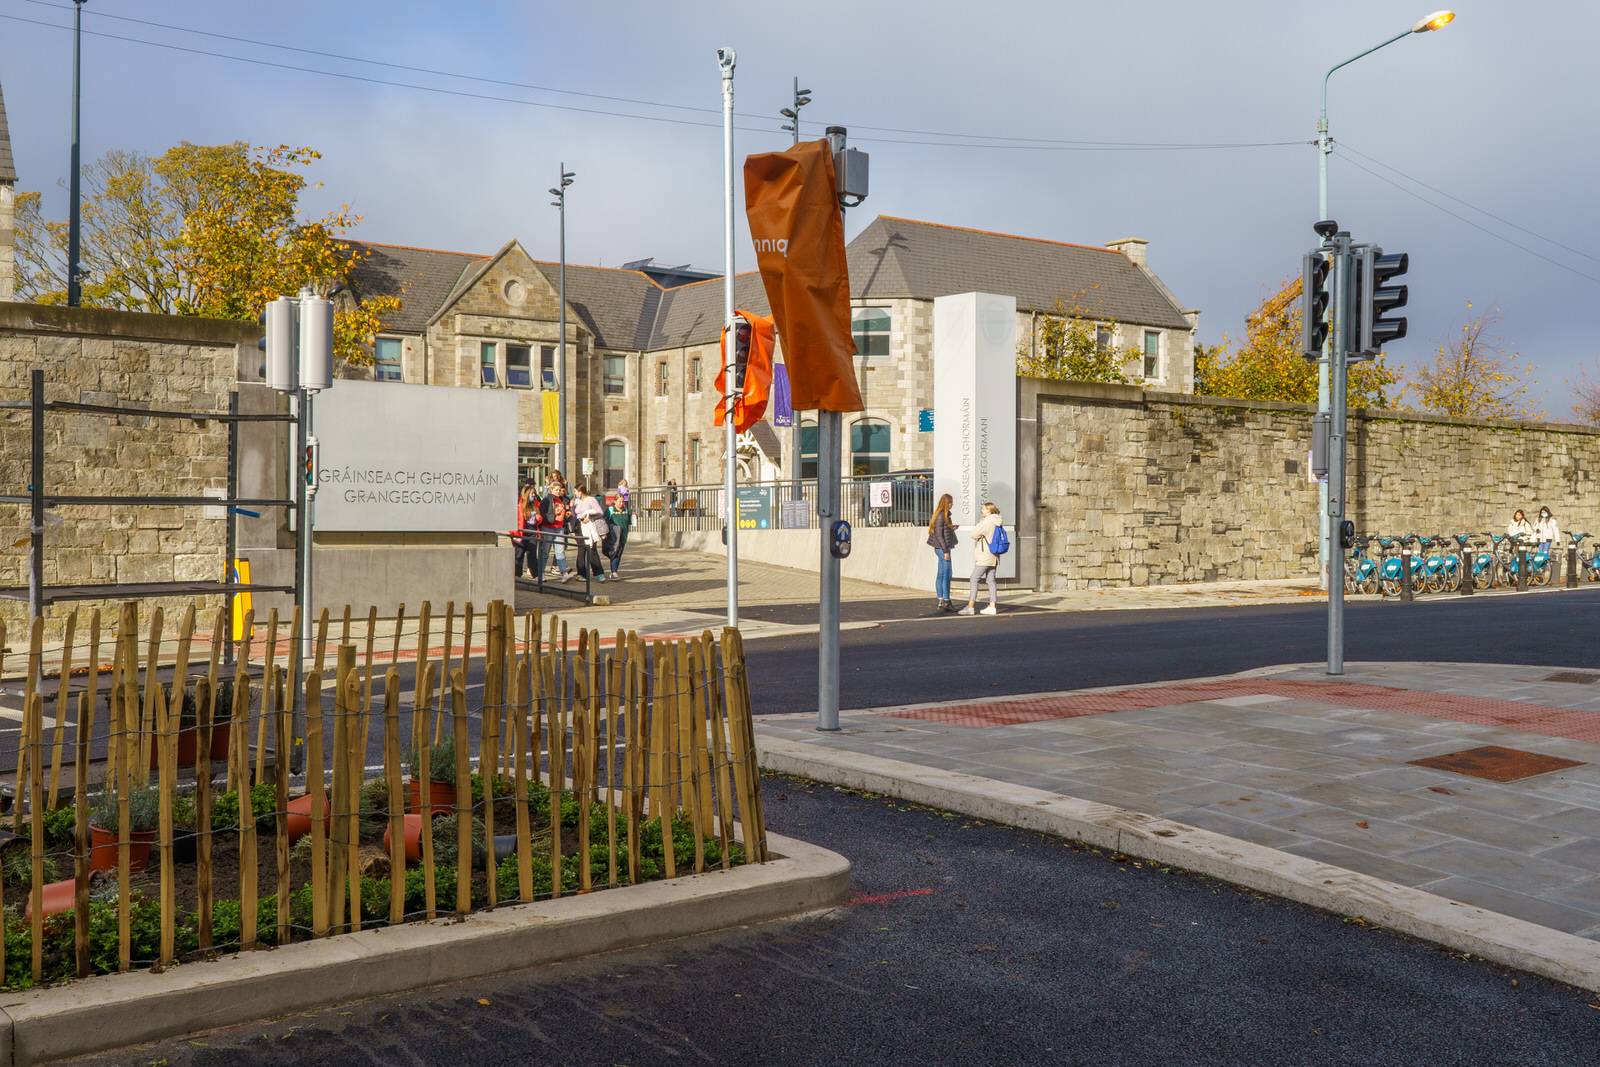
x,y
560,202
74,282
1435,21
726,60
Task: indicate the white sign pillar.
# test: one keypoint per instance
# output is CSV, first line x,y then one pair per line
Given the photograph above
x,y
975,413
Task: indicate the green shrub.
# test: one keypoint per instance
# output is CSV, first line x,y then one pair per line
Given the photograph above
x,y
144,809
441,760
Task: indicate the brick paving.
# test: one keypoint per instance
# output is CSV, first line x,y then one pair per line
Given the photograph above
x,y
1318,767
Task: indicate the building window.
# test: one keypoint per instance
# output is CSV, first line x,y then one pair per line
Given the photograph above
x,y
808,449
616,374
692,477
533,464
871,329
519,366
869,448
386,359
547,368
661,460
486,354
613,462
1102,339
1152,354
694,374
661,377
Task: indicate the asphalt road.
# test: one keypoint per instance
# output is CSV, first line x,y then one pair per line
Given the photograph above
x,y
916,656
968,944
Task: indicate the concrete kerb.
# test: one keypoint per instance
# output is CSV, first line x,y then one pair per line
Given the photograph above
x,y
1463,927
114,1011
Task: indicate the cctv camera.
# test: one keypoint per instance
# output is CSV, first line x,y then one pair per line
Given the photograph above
x,y
1326,228
725,58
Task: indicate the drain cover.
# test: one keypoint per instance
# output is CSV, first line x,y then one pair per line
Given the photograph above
x,y
1496,764
1574,677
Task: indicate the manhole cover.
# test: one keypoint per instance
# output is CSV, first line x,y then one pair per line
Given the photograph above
x,y
1574,677
1496,764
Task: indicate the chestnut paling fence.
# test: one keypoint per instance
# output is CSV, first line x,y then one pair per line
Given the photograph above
x,y
583,764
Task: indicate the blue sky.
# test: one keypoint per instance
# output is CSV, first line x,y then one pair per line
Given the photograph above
x,y
1486,112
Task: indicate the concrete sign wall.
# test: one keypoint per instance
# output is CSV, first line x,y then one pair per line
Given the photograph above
x,y
416,458
975,413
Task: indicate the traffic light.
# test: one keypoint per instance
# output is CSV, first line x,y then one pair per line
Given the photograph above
x,y
1377,299
1314,305
741,351
281,326
313,454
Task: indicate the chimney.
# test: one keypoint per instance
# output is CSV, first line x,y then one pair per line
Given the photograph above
x,y
8,207
1132,247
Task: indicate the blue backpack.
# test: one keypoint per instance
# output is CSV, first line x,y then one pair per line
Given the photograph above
x,y
1000,542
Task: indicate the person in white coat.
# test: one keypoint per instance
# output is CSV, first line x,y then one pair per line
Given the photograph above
x,y
1518,529
983,561
1546,534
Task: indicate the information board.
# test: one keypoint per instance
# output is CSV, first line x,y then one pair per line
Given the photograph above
x,y
755,507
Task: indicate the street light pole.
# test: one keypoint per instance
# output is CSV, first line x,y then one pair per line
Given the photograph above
x,y
74,281
1435,21
560,202
730,503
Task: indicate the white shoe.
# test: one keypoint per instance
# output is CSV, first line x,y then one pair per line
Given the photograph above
x,y
989,611
966,611
566,577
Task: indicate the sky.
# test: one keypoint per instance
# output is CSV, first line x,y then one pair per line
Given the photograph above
x,y
1188,124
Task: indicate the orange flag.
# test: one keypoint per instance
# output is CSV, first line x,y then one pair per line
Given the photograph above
x,y
751,403
793,208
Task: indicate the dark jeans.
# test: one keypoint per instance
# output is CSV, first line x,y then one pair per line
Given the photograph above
x,y
526,549
617,557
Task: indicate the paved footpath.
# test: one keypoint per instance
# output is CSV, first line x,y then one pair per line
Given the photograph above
x,y
1318,767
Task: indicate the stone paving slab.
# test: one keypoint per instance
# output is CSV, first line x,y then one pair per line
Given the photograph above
x,y
1290,759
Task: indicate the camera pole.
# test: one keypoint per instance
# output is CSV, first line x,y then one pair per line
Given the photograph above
x,y
730,504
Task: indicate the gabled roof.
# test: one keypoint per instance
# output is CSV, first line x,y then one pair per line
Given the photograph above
x,y
423,278
617,306
905,258
8,167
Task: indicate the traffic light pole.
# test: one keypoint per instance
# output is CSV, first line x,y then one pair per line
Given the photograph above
x,y
1338,392
730,457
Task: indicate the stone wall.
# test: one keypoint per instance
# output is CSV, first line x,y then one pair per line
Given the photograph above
x,y
113,357
1156,488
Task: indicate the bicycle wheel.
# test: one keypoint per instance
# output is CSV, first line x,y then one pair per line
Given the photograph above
x,y
1434,583
1539,575
1369,584
1390,586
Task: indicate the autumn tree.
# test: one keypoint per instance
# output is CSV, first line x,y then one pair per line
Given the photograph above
x,y
201,230
1474,376
1586,396
1269,364
1070,345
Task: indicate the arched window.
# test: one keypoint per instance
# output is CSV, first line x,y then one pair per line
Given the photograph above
x,y
613,462
869,448
808,448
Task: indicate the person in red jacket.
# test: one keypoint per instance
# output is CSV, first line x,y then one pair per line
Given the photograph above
x,y
555,511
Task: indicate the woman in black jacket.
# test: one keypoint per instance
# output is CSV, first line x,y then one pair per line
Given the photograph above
x,y
942,536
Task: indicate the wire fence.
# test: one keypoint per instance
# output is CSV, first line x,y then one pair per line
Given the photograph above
x,y
172,828
889,500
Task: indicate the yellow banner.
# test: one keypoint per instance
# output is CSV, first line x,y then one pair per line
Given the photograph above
x,y
550,415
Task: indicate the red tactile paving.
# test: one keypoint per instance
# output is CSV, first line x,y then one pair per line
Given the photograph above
x,y
1480,711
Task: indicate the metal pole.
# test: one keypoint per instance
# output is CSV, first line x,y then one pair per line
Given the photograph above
x,y
74,284
302,646
232,545
561,348
36,501
730,507
830,446
1338,377
308,506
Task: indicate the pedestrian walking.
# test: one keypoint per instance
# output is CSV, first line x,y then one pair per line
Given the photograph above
x,y
622,492
524,545
672,497
620,516
554,512
984,560
942,536
592,530
1545,532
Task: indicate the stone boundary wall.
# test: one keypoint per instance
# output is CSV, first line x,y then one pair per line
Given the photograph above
x,y
1140,488
98,356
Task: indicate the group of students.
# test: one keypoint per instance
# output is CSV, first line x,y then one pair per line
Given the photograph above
x,y
547,520
1545,533
989,542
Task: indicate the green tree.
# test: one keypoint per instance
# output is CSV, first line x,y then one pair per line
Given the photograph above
x,y
1072,346
1474,376
1269,365
200,230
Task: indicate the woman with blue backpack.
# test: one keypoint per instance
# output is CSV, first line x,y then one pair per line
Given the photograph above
x,y
989,543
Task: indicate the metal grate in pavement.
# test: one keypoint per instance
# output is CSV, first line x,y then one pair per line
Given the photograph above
x,y
1480,711
1496,764
1572,677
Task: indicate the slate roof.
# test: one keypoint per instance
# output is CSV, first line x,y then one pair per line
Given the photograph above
x,y
8,167
905,258
423,278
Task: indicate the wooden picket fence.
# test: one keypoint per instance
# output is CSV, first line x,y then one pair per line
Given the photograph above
x,y
629,732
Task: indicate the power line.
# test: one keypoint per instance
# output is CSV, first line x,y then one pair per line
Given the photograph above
x,y
952,140
1469,222
1474,207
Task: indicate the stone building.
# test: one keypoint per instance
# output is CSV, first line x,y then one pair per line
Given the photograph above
x,y
643,353
8,208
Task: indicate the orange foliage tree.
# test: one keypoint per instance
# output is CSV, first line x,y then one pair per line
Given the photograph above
x,y
1473,376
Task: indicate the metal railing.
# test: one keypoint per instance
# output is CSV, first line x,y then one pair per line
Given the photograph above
x,y
781,505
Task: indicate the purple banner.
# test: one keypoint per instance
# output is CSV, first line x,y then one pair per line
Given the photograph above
x,y
782,408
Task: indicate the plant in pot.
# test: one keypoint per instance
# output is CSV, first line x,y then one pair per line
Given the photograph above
x,y
442,775
144,818
189,727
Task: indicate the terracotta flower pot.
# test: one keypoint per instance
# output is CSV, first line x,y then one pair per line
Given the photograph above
x,y
103,854
58,897
298,821
413,838
441,797
189,745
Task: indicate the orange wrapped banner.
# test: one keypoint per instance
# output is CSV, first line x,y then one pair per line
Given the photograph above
x,y
751,403
793,208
